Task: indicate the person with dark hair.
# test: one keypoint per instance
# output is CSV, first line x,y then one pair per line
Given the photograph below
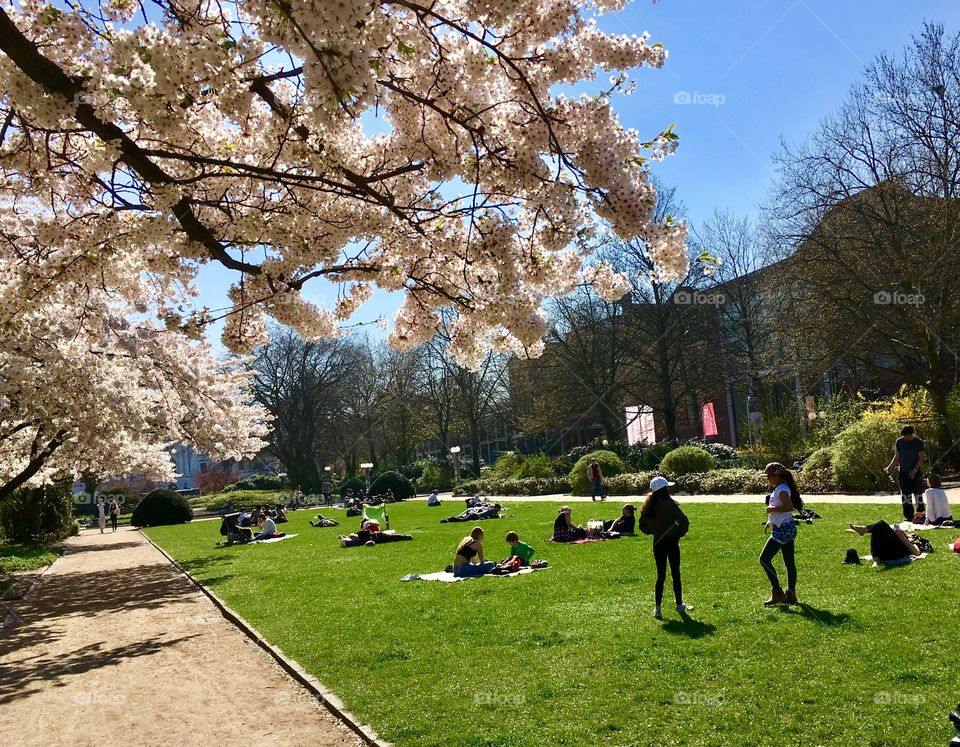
x,y
564,530
595,475
519,549
938,507
909,457
662,518
783,500
114,513
887,544
624,523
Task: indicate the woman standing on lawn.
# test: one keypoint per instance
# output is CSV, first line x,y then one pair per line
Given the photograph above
x,y
783,500
662,518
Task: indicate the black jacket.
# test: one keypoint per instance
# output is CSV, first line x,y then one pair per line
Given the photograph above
x,y
663,517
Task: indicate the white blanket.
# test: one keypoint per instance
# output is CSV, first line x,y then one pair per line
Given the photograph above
x,y
272,539
449,578
909,526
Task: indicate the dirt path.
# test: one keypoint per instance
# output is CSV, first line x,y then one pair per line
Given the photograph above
x,y
117,647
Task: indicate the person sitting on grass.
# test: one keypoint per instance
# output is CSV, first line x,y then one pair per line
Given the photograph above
x,y
519,549
625,523
469,559
433,499
887,543
280,514
938,507
564,530
268,529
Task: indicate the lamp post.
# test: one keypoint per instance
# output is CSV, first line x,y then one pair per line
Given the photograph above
x,y
455,450
366,467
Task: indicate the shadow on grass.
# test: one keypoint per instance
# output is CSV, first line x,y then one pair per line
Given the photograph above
x,y
687,626
821,617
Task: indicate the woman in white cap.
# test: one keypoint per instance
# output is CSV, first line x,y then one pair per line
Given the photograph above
x,y
783,500
662,518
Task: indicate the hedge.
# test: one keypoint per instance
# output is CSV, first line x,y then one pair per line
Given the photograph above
x,y
520,486
160,508
687,459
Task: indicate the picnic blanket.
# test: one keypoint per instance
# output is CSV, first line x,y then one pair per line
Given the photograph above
x,y
898,561
272,539
584,540
909,526
448,577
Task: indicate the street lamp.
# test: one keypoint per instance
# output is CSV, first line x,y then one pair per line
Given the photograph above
x,y
455,450
366,467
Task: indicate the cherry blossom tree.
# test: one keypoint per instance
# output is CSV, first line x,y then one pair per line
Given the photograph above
x,y
408,145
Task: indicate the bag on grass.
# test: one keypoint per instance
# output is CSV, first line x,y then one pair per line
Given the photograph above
x,y
922,543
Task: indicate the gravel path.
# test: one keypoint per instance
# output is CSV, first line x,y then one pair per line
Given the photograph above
x,y
115,646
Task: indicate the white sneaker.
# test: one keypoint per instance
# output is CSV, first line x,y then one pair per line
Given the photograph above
x,y
657,613
684,607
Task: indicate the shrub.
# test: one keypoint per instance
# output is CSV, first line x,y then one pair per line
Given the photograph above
x,y
863,451
725,482
160,508
781,438
721,452
401,486
41,515
820,459
535,465
354,482
653,455
517,486
505,467
819,480
686,459
257,482
629,483
216,479
610,465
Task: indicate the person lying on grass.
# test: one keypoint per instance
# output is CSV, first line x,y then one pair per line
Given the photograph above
x,y
519,549
268,529
887,543
564,530
624,523
370,534
469,560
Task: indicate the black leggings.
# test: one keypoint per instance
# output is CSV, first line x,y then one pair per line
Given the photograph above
x,y
113,520
770,551
666,549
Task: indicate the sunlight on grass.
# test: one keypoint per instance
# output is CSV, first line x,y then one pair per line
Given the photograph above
x,y
572,655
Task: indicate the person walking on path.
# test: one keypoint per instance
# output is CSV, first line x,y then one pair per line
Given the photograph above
x,y
909,456
114,513
326,488
595,475
783,500
662,518
101,515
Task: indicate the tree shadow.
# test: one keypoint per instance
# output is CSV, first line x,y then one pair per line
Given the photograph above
x,y
122,545
20,679
822,617
687,626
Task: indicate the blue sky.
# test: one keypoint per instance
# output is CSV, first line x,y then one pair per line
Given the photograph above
x,y
741,75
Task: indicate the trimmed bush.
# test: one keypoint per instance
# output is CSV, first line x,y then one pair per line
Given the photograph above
x,y
535,466
401,486
610,465
520,486
813,481
863,451
257,482
820,459
354,482
41,515
687,459
629,483
160,508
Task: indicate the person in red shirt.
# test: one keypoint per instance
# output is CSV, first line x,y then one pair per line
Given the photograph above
x,y
595,475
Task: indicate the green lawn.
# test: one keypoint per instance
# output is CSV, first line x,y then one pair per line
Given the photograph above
x,y
25,557
572,655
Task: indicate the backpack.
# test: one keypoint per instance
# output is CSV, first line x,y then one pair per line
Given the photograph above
x,y
922,543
